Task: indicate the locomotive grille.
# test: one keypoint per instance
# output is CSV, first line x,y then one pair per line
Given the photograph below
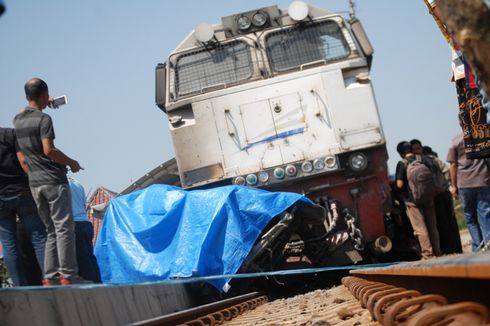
x,y
218,65
322,42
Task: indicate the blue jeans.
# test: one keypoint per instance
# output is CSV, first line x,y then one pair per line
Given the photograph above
x,y
476,209
87,263
23,206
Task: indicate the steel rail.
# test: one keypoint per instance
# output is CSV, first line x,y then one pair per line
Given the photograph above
x,y
209,314
457,277
390,305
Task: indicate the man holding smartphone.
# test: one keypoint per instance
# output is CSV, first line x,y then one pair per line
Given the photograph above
x,y
48,183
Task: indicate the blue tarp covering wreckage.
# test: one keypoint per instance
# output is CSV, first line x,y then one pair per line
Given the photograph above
x,y
164,232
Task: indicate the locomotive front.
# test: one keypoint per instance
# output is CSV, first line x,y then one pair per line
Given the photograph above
x,y
282,100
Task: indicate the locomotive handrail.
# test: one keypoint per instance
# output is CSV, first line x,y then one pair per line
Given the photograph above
x,y
213,87
313,63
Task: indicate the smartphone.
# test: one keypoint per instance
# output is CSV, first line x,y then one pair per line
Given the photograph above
x,y
58,101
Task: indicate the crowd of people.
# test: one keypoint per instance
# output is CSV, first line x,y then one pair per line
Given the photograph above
x,y
44,229
427,186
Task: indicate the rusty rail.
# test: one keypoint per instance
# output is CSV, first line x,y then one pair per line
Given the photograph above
x,y
210,314
390,305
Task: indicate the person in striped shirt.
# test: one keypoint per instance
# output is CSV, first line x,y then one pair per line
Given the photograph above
x,y
49,184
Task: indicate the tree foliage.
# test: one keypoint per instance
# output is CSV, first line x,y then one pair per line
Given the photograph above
x,y
4,276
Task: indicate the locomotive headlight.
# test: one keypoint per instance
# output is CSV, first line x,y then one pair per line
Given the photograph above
x,y
259,19
252,179
263,176
306,167
330,162
243,23
358,162
291,170
279,173
239,181
318,164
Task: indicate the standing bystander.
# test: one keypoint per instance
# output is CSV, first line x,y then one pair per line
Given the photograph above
x,y
49,184
84,230
447,225
421,215
16,201
470,179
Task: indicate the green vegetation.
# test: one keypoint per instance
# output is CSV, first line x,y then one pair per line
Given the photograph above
x,y
4,276
458,208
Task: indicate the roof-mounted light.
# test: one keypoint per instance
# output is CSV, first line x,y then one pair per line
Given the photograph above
x,y
259,19
243,23
204,32
298,10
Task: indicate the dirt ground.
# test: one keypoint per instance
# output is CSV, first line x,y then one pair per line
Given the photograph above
x,y
465,240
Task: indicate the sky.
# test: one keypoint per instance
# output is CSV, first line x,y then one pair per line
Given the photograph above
x,y
102,55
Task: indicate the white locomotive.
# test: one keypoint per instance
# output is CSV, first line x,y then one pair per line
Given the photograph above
x,y
282,100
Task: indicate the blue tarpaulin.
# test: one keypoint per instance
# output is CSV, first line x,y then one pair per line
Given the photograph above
x,y
164,232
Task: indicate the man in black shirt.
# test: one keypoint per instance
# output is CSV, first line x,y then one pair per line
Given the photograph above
x,y
49,184
16,201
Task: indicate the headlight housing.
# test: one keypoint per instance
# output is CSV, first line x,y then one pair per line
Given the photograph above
x,y
263,176
306,167
239,181
244,23
358,162
318,164
291,170
259,19
330,162
252,179
279,173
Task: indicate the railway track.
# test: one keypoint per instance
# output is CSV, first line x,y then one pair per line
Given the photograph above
x,y
451,290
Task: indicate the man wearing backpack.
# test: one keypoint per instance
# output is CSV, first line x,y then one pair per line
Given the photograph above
x,y
416,182
447,225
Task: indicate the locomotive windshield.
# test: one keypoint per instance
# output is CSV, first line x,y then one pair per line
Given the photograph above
x,y
223,64
290,48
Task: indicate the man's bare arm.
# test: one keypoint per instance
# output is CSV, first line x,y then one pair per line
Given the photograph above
x,y
453,172
399,184
58,156
22,161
